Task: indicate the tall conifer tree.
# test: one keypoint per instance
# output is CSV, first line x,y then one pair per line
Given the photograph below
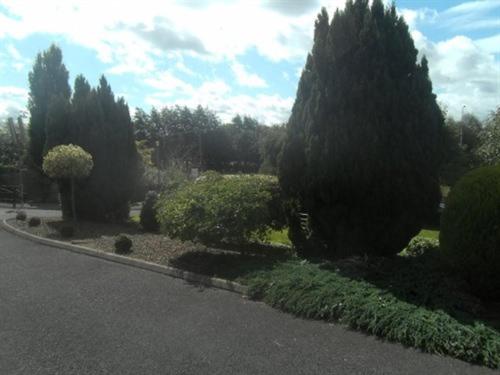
x,y
361,152
48,81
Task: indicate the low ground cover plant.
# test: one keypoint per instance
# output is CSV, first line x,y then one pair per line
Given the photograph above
x,y
415,316
34,221
123,244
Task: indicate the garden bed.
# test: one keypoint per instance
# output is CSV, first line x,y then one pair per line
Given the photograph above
x,y
151,247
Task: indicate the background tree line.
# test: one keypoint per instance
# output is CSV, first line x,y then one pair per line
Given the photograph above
x,y
196,138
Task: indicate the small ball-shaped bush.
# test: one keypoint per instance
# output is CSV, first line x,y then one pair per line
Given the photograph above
x,y
67,231
470,230
34,221
420,245
21,216
123,244
148,212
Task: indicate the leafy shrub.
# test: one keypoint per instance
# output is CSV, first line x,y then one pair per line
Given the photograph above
x,y
421,245
148,212
67,231
123,244
21,216
34,221
217,209
470,229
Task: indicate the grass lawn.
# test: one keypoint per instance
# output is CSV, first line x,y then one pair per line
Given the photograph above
x,y
429,233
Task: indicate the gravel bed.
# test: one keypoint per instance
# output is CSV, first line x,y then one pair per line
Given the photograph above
x,y
152,247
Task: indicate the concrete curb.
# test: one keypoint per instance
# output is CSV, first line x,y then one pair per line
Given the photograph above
x,y
166,270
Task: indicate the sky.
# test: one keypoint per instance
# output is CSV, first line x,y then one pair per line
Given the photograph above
x,y
234,57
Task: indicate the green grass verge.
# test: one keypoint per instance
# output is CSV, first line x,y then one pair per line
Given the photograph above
x,y
278,237
417,311
429,233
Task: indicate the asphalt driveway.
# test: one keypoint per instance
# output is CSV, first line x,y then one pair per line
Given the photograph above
x,y
67,313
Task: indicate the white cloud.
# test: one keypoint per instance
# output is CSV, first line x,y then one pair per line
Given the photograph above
x,y
462,73
218,96
12,100
244,78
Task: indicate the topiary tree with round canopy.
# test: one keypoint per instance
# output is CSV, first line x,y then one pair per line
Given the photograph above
x,y
69,162
361,154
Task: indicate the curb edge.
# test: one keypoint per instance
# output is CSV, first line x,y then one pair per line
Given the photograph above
x,y
138,263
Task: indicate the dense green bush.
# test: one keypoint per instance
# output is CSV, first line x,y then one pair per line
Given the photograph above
x,y
67,231
362,149
217,209
123,244
470,229
21,216
421,245
34,221
149,221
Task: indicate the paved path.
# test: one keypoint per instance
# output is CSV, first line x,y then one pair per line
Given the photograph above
x,y
66,313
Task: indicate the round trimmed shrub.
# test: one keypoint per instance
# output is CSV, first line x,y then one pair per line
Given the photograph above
x,y
67,231
34,221
21,216
148,212
217,209
123,244
420,245
470,230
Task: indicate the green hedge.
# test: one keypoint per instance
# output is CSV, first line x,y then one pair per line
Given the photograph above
x,y
470,230
216,209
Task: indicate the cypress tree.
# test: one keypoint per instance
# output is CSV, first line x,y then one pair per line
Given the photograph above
x,y
48,81
101,125
361,151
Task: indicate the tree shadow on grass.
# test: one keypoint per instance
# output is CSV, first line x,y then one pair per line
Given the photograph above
x,y
423,281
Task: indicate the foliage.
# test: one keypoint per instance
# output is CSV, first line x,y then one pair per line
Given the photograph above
x,y
167,180
460,144
421,245
101,125
48,81
361,154
217,209
12,143
489,151
21,216
67,231
470,235
67,161
34,221
123,244
315,292
149,221
271,142
195,138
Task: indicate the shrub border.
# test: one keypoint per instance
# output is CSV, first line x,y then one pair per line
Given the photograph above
x,y
138,263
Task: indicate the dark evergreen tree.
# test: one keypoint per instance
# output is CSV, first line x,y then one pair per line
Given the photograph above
x,y
361,153
48,80
102,126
